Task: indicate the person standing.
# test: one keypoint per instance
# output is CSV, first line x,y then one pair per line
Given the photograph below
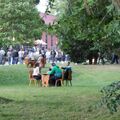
x,y
114,58
53,54
2,54
48,56
21,56
9,56
15,56
0,57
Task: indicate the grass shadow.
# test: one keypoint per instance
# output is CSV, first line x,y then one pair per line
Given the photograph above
x,y
5,100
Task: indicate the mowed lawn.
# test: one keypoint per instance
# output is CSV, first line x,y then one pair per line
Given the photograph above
x,y
18,101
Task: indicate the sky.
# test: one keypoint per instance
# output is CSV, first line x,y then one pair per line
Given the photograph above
x,y
42,5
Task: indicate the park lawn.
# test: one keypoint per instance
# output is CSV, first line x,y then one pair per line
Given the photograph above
x,y
18,101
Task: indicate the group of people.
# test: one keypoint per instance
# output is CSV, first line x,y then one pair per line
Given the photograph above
x,y
34,67
55,72
35,58
95,57
13,55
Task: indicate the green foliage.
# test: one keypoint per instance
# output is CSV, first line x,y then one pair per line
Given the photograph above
x,y
37,1
111,96
19,21
56,8
94,22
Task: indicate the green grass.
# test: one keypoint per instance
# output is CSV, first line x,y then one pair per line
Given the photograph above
x,y
18,101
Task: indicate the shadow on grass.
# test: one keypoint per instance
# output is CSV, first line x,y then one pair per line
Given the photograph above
x,y
5,100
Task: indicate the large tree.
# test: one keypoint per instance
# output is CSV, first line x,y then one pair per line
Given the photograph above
x,y
88,26
19,21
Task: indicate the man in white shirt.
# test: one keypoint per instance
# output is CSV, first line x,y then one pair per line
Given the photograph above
x,y
21,56
2,53
48,55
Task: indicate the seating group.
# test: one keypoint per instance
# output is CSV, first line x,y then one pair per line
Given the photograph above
x,y
66,76
45,79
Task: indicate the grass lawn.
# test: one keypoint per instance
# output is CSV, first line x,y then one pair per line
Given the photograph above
x,y
18,101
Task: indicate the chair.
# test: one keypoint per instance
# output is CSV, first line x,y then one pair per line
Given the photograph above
x,y
31,79
61,80
67,75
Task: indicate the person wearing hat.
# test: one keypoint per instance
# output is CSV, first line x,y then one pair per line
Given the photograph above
x,y
55,73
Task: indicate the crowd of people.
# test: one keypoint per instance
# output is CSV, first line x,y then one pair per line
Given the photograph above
x,y
17,56
35,58
35,66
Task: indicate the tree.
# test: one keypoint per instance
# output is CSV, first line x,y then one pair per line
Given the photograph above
x,y
19,21
58,8
87,27
116,3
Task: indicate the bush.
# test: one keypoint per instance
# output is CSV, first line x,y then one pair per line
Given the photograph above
x,y
111,96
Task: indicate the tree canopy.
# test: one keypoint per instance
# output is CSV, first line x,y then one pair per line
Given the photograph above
x,y
20,21
89,26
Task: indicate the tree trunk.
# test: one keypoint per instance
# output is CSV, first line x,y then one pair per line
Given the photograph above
x,y
116,3
87,7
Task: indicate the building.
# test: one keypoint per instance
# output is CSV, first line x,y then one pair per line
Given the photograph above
x,y
51,40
